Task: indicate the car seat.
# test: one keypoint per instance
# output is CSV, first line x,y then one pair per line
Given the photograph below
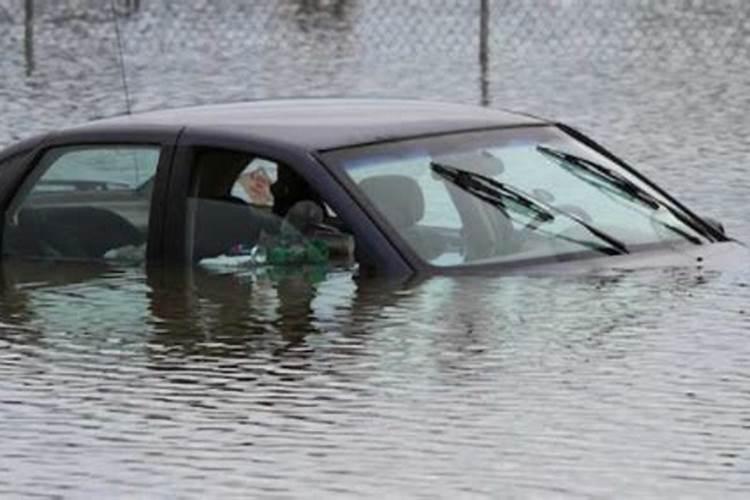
x,y
80,232
222,223
400,200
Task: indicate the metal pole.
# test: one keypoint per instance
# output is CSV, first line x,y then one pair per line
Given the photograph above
x,y
29,37
484,51
123,73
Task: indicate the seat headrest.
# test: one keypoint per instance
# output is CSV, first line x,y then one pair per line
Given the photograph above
x,y
398,197
481,162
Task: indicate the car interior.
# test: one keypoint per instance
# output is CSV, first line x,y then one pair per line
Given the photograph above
x,y
404,211
220,219
75,232
238,201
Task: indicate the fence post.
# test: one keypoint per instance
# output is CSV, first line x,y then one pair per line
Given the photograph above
x,y
484,49
29,37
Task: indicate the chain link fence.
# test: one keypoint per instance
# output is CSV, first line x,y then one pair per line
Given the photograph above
x,y
173,52
567,28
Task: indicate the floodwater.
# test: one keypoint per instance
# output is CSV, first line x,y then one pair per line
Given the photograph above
x,y
118,382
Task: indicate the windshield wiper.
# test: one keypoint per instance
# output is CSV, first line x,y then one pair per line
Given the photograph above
x,y
622,185
692,239
625,186
497,194
493,192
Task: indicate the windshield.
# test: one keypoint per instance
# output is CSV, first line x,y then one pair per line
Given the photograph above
x,y
511,195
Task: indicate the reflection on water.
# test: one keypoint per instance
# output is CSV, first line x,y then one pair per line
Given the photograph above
x,y
122,382
126,382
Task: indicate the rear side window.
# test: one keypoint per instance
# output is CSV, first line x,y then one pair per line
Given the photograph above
x,y
84,202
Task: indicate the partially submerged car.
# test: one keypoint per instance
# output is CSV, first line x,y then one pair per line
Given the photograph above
x,y
394,187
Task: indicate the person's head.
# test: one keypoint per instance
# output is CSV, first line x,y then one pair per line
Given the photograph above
x,y
256,185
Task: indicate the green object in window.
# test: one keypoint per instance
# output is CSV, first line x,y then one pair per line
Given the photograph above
x,y
309,252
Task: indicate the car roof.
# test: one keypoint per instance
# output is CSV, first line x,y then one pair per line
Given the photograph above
x,y
321,123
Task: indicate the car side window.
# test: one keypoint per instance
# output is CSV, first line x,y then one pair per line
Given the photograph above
x,y
84,202
247,209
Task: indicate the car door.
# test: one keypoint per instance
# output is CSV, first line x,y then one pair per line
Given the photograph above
x,y
229,191
89,196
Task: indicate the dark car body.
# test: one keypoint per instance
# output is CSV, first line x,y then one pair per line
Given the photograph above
x,y
300,133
